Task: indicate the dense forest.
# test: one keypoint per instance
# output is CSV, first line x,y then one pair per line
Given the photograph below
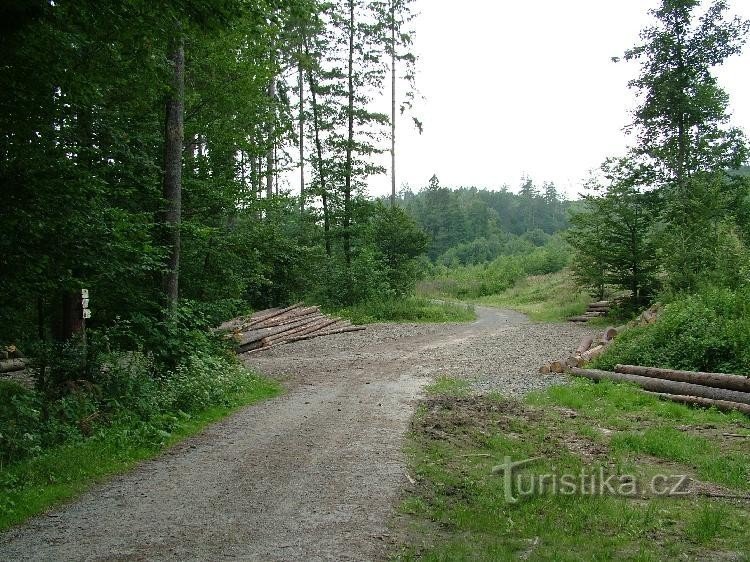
x,y
470,225
143,146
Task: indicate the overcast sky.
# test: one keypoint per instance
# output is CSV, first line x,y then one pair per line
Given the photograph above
x,y
527,87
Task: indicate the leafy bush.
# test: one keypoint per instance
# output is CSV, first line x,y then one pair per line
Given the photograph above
x,y
499,275
707,331
124,389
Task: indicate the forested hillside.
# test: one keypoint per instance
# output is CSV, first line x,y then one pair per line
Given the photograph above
x,y
469,225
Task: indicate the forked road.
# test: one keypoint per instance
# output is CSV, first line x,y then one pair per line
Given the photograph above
x,y
311,475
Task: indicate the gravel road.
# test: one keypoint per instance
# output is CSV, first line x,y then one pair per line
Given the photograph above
x,y
310,475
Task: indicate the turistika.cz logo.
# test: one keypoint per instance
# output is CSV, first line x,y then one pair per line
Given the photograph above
x,y
584,483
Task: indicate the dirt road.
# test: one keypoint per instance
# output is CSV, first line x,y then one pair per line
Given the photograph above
x,y
311,475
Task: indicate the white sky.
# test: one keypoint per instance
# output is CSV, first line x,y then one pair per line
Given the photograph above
x,y
515,87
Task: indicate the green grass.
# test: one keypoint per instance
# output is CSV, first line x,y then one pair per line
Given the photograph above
x,y
544,298
409,309
458,511
447,386
32,486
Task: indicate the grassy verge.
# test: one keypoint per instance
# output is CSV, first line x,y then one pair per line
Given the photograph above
x,y
33,485
410,309
458,510
544,298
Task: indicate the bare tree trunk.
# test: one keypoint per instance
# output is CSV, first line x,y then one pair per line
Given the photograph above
x,y
393,103
270,160
349,144
301,84
172,186
319,151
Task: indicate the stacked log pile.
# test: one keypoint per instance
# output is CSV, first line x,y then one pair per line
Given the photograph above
x,y
273,327
11,360
723,391
589,349
594,310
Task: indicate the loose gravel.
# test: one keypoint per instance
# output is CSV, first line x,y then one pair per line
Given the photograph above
x,y
311,475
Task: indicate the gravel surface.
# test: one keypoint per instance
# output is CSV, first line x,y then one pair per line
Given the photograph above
x,y
311,475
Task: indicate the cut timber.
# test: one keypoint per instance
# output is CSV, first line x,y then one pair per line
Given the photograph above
x,y
327,333
574,361
722,405
585,345
557,367
666,386
609,334
12,365
714,380
301,331
282,317
267,315
579,319
601,303
248,339
592,353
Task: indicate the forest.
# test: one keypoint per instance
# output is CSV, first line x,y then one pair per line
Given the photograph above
x,y
167,166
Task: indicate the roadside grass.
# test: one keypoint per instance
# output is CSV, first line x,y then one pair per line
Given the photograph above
x,y
409,309
447,386
457,509
32,486
544,298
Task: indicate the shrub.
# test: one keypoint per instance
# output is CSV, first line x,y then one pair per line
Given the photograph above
x,y
707,331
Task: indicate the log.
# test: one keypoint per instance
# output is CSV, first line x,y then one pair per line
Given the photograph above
x,y
592,354
327,333
665,386
252,336
573,361
609,334
12,365
544,370
723,405
308,337
579,319
585,345
301,330
714,380
557,367
283,318
601,303
278,312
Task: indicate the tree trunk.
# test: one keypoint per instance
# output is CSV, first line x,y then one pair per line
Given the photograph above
x,y
715,380
319,151
666,386
722,405
301,84
349,144
270,160
393,103
172,186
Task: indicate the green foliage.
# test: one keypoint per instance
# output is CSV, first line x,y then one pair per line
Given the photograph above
x,y
612,235
39,481
456,441
472,226
706,331
497,276
544,298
